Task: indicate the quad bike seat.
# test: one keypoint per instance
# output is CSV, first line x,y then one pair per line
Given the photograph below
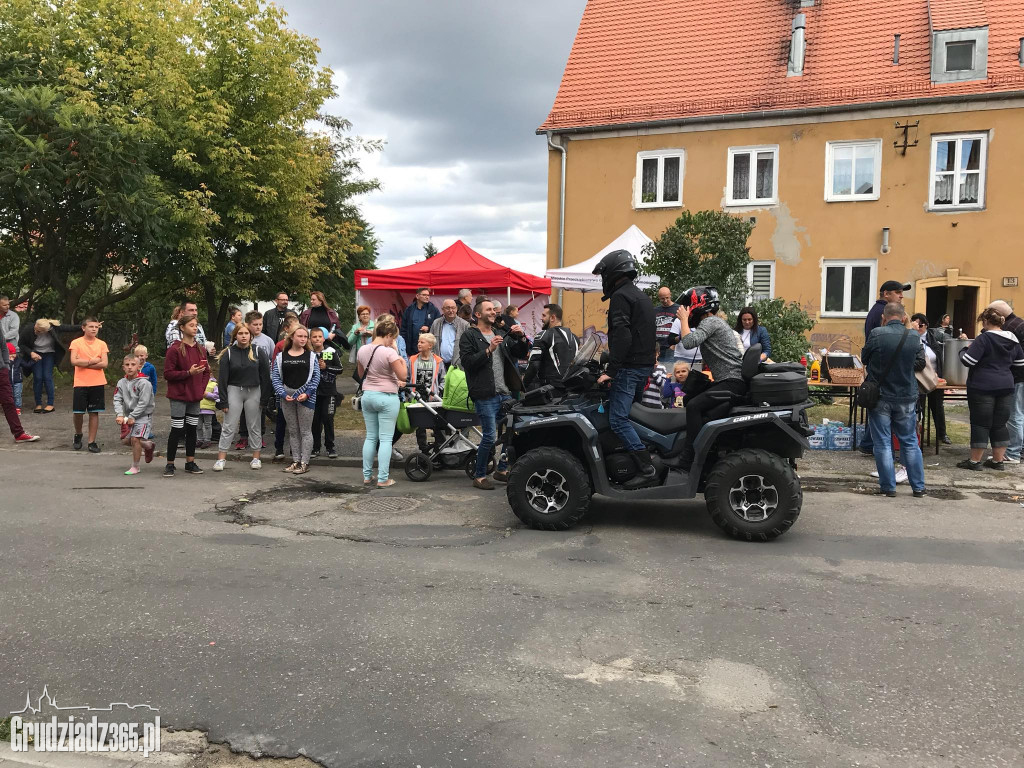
x,y
664,421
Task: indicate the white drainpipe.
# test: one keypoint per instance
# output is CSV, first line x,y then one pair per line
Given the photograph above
x,y
561,209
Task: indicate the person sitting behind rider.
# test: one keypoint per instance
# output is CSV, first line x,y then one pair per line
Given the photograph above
x,y
701,326
631,348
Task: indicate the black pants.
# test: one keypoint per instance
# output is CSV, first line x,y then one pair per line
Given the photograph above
x,y
279,429
937,407
701,408
323,418
989,413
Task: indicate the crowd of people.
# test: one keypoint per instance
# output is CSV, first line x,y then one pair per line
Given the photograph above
x,y
284,366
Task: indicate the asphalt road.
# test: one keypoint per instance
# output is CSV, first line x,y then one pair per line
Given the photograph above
x,y
422,627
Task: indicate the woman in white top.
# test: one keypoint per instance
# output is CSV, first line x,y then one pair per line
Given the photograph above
x,y
382,370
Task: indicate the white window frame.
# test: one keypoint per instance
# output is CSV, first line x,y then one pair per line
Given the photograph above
x,y
638,184
750,278
982,164
752,202
849,264
830,147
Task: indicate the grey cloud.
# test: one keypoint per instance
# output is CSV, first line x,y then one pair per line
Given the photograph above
x,y
450,83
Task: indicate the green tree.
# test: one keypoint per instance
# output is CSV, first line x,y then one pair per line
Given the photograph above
x,y
429,250
703,248
177,143
787,325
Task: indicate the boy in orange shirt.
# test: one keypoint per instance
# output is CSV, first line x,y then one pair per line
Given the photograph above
x,y
89,358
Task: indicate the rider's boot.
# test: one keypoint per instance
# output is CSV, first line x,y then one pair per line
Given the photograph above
x,y
646,475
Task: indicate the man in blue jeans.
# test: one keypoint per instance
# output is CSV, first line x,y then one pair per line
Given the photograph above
x,y
891,355
492,376
631,350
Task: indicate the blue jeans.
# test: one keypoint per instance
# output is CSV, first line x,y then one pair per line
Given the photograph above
x,y
42,375
380,412
488,410
899,418
627,387
1016,422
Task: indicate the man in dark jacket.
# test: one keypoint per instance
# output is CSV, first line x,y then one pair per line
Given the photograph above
x,y
1015,424
552,352
273,319
492,377
893,367
631,349
417,318
890,292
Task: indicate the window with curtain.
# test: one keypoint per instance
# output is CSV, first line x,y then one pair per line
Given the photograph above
x,y
752,176
660,179
847,287
958,171
853,170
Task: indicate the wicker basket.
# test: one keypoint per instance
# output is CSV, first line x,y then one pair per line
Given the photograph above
x,y
848,377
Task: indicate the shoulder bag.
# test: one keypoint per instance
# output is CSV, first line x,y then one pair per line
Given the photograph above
x,y
357,398
870,391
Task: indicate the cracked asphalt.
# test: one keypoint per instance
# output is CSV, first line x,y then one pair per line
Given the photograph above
x,y
421,626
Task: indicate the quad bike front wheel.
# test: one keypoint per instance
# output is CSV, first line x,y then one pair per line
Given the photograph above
x,y
753,495
549,489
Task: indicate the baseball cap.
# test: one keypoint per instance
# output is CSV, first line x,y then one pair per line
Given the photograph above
x,y
892,285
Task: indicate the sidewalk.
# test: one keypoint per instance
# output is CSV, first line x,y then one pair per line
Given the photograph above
x,y
849,468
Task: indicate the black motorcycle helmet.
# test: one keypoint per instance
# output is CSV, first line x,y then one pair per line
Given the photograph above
x,y
700,300
612,268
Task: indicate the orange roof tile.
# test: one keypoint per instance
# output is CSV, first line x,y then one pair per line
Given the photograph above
x,y
636,61
957,14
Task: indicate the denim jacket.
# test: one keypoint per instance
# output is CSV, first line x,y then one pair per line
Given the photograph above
x,y
900,385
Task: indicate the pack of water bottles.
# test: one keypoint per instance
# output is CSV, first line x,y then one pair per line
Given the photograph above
x,y
831,436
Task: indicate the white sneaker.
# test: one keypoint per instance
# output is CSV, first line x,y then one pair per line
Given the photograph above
x,y
875,473
901,475
218,465
255,464
396,455
1006,460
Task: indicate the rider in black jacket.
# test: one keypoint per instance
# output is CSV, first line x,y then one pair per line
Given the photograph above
x,y
631,348
553,350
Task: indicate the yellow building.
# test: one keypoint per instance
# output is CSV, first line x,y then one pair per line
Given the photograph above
x,y
867,140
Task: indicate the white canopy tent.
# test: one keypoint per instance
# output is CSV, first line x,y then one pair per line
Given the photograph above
x,y
580,277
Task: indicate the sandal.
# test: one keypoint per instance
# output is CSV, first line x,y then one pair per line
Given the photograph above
x,y
291,467
37,409
388,484
48,409
367,482
301,469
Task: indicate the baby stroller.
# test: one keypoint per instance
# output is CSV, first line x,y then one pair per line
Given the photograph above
x,y
456,435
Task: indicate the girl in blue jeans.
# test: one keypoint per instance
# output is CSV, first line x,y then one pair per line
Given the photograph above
x,y
382,369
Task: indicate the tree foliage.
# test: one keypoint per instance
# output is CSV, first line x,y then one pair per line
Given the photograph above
x,y
703,248
787,325
178,143
429,250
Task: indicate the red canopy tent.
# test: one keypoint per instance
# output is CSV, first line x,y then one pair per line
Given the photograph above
x,y
458,266
454,268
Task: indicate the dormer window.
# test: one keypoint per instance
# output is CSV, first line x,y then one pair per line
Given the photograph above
x,y
960,55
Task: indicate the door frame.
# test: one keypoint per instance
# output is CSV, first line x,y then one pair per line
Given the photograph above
x,y
953,279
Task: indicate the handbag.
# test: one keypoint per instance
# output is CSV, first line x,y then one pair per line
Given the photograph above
x,y
357,398
927,380
870,392
402,423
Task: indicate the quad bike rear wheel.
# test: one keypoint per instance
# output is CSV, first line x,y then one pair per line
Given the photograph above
x,y
753,495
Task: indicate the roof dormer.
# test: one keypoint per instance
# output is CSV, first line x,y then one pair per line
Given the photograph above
x,y
959,30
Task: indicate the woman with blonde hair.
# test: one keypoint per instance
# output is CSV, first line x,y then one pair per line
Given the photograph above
x,y
41,346
244,386
295,374
382,371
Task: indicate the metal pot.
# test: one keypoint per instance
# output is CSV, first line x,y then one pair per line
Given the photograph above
x,y
954,371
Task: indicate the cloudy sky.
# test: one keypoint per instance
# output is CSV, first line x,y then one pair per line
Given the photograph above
x,y
457,89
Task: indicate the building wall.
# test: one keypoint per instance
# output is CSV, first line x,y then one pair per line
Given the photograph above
x,y
964,249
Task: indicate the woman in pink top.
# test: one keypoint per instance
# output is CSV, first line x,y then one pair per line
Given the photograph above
x,y
382,369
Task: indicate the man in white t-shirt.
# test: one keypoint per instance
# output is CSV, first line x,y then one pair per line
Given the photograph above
x,y
691,357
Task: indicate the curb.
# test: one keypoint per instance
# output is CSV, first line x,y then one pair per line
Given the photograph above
x,y
846,480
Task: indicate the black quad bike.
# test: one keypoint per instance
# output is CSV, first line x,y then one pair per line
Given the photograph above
x,y
562,450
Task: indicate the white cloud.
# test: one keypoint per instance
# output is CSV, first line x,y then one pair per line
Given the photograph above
x,y
456,88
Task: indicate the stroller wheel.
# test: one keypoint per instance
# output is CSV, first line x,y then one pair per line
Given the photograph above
x,y
470,466
418,468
